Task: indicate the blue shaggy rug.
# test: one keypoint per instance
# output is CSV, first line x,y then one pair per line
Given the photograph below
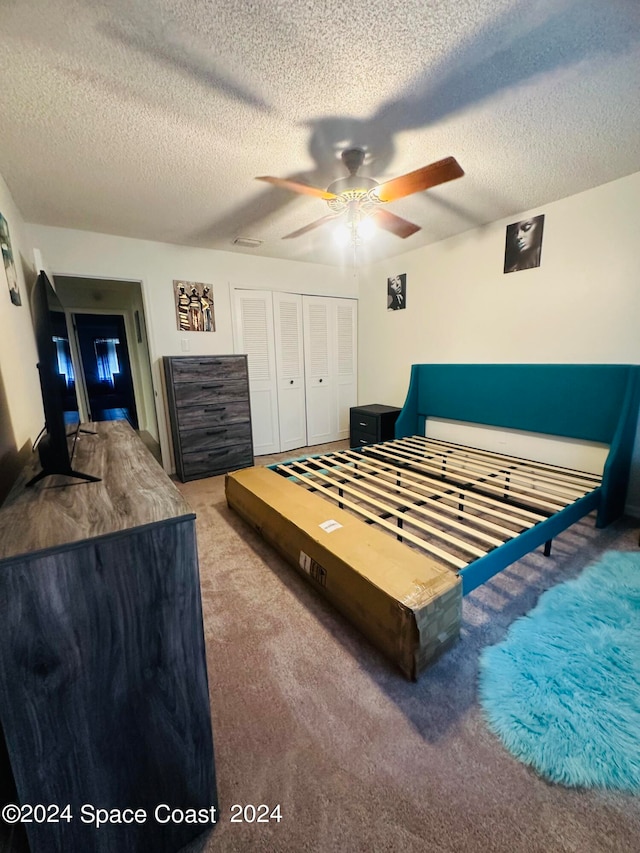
x,y
562,691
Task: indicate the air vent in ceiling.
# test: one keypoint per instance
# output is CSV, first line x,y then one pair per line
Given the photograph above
x,y
247,242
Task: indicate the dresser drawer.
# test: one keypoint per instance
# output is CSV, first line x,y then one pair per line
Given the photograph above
x,y
215,414
214,437
212,391
187,369
216,461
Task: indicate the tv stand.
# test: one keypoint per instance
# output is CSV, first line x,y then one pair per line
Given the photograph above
x,y
103,682
52,465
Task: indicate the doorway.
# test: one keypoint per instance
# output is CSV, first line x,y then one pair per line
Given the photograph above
x,y
104,355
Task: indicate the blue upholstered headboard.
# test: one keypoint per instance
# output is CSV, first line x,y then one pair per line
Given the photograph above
x,y
595,402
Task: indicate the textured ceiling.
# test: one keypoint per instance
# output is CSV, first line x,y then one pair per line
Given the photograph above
x,y
151,118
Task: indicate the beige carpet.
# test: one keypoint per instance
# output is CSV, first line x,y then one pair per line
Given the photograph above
x,y
307,715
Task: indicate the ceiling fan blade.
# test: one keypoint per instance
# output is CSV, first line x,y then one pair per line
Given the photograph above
x,y
296,187
311,226
422,179
395,224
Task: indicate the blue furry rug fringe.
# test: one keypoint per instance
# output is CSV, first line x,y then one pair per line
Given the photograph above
x,y
562,690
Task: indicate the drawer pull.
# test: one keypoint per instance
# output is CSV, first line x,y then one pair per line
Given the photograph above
x,y
212,387
217,431
362,424
217,453
215,409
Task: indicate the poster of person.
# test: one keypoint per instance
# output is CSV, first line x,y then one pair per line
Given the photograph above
x,y
8,262
397,292
523,244
194,306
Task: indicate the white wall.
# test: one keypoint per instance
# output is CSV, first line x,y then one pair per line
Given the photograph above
x,y
156,265
581,305
21,415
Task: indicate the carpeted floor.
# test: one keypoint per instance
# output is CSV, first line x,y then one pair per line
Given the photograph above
x,y
307,715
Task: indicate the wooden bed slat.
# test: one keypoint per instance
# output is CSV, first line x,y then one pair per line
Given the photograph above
x,y
512,478
589,478
387,509
483,503
515,471
364,480
426,546
530,501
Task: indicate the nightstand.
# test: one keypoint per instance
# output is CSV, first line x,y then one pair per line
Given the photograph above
x,y
368,424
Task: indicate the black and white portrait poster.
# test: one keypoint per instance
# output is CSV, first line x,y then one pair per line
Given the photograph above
x,y
8,262
397,292
194,306
523,244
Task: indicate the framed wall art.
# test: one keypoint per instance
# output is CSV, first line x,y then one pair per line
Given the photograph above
x,y
194,306
523,246
8,262
397,292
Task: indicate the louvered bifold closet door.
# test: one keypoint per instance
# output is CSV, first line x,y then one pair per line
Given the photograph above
x,y
320,391
330,335
346,367
287,317
254,335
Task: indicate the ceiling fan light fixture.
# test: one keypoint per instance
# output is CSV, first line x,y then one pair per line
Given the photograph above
x,y
366,228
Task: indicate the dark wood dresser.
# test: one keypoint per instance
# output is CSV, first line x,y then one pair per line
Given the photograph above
x,y
368,424
104,697
208,399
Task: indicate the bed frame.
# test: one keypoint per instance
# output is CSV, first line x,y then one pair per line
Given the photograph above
x,y
466,513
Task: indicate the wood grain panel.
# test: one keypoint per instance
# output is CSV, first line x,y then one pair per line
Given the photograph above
x,y
103,683
223,436
134,491
208,393
193,417
217,460
211,416
187,369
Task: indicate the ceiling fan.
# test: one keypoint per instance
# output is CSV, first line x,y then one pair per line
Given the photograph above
x,y
361,198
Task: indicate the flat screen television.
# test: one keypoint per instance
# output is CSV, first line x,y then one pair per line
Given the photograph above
x,y
55,446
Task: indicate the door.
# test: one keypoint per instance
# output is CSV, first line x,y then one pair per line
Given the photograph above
x,y
319,390
253,332
330,340
345,365
289,352
102,343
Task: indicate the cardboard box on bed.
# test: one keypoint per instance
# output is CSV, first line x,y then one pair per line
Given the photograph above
x,y
406,604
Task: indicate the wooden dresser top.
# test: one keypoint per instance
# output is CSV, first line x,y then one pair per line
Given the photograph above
x,y
134,491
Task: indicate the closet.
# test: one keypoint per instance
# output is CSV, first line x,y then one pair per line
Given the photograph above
x,y
302,366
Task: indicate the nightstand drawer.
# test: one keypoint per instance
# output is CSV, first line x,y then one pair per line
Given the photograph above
x,y
359,439
364,422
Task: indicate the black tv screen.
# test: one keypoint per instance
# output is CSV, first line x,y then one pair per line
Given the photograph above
x,y
53,447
